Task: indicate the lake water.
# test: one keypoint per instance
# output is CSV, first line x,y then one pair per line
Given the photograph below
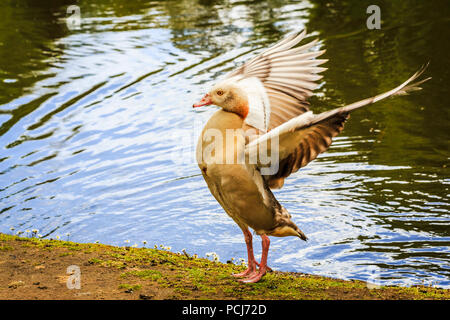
x,y
97,130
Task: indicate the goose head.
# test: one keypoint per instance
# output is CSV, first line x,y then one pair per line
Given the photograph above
x,y
227,95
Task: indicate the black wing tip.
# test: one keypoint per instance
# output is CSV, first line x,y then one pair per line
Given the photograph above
x,y
423,68
302,236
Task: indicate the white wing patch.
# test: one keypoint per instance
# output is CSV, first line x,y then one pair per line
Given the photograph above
x,y
289,126
259,104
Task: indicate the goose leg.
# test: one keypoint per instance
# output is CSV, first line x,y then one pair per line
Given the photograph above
x,y
255,277
251,258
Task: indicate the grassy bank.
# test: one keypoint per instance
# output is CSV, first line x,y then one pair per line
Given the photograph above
x,y
32,268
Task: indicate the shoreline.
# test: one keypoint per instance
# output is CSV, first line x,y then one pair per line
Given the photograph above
x,y
41,269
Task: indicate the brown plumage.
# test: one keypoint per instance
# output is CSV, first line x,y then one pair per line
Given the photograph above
x,y
264,107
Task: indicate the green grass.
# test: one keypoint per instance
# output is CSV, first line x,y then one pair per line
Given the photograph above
x,y
130,287
144,274
199,278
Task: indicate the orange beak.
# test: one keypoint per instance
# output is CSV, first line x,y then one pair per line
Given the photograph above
x,y
206,101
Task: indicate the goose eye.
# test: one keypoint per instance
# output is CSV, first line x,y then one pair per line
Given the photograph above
x,y
219,92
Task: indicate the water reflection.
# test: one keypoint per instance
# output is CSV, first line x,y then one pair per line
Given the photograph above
x,y
97,133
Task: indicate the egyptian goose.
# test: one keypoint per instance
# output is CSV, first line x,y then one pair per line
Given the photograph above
x,y
263,132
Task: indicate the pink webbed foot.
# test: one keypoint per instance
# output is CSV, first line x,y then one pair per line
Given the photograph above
x,y
254,277
250,272
245,273
251,275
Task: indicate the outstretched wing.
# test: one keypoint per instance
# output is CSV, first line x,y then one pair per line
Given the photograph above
x,y
287,74
302,139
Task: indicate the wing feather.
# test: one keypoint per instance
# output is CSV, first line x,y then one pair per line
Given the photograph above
x,y
288,73
303,138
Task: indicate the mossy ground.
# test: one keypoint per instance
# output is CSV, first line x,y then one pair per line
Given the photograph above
x,y
32,268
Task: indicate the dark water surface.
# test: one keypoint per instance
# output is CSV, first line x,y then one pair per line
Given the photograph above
x,y
97,131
